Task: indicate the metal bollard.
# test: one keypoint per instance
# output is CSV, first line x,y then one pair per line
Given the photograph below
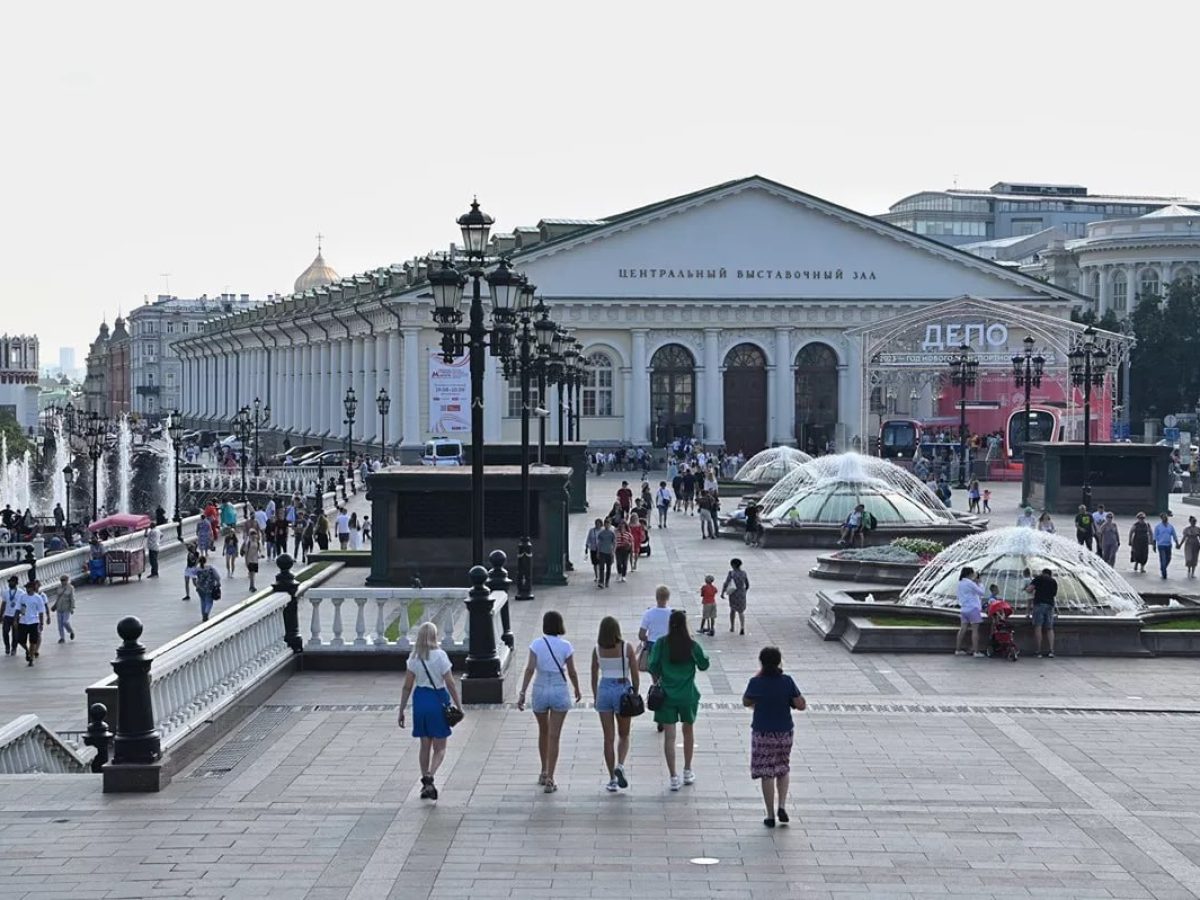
x,y
137,740
285,583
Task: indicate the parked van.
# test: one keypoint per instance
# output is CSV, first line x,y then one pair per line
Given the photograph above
x,y
442,452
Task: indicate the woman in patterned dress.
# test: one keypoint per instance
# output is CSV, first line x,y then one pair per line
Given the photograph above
x,y
772,695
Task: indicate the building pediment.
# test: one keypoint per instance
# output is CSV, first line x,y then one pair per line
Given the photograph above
x,y
757,239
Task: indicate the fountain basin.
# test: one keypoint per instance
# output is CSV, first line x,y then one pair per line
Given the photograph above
x,y
838,568
778,534
878,627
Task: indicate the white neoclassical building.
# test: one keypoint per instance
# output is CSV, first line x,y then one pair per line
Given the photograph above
x,y
730,313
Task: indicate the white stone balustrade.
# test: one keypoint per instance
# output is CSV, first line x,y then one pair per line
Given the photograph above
x,y
271,479
376,610
27,747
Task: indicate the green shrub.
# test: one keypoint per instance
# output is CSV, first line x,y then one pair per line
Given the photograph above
x,y
919,546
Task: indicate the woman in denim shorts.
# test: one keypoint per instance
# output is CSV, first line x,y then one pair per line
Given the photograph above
x,y
614,674
553,660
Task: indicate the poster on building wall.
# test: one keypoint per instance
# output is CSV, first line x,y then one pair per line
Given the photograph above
x,y
449,394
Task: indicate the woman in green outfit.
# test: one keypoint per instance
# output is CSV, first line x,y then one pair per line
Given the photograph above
x,y
674,661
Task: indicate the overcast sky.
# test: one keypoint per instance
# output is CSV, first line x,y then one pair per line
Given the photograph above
x,y
212,141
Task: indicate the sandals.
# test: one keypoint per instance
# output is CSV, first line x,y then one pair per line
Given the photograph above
x,y
428,791
542,778
550,787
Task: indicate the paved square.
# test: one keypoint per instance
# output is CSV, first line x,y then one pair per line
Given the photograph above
x,y
913,775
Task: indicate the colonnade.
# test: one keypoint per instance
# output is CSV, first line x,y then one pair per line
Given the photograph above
x,y
304,383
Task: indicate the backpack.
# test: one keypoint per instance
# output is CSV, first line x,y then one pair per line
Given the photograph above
x,y
869,521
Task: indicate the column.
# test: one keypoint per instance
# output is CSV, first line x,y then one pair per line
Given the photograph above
x,y
370,430
785,389
639,394
356,367
412,387
1131,289
713,397
339,391
298,413
312,380
628,403
1102,302
394,428
321,394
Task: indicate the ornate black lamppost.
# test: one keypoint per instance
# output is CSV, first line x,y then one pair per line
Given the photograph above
x,y
97,434
383,403
68,479
350,407
175,429
581,375
964,370
447,283
262,415
244,423
565,382
1087,364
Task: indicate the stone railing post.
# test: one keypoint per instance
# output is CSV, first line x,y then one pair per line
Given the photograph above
x,y
137,748
483,681
285,583
498,580
98,735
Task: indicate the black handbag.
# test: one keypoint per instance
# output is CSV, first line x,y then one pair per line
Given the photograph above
x,y
453,714
630,704
655,697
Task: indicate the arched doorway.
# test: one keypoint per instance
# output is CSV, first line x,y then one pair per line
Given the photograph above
x,y
672,394
816,397
745,399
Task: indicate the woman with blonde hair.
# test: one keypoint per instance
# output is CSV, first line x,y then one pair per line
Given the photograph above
x,y
614,674
430,682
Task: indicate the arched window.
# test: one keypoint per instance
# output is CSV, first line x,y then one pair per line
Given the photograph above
x,y
744,391
1119,291
514,396
598,389
672,394
1148,283
1183,276
816,388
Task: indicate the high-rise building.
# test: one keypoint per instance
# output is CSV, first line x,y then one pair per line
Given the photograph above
x,y
66,361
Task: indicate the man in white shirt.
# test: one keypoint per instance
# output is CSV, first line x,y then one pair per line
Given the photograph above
x,y
655,619
260,519
153,542
342,527
32,615
10,603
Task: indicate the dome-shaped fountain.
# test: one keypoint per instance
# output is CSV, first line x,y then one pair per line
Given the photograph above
x,y
851,467
770,465
1086,584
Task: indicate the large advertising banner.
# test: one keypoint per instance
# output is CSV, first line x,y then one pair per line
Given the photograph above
x,y
449,394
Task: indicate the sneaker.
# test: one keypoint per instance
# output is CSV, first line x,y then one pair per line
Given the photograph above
x,y
185,599
676,781
1050,655
689,777
960,652
1039,656
62,640
619,773
979,656
612,787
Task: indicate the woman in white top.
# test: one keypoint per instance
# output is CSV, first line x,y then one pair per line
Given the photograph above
x,y
970,607
614,674
429,672
553,659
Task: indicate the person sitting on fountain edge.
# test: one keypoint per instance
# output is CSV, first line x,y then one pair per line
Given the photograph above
x,y
853,526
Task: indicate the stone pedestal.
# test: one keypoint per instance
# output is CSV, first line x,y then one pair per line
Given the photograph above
x,y
421,518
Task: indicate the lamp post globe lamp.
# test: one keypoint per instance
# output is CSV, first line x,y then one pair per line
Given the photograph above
x,y
521,364
350,407
68,480
97,432
175,430
1087,364
383,403
964,370
243,422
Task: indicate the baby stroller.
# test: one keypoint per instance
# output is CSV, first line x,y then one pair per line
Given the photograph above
x,y
1001,645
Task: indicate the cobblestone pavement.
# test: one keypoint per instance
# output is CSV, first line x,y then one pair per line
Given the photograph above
x,y
913,775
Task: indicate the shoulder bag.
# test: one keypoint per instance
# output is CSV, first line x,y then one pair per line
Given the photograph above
x,y
453,714
630,704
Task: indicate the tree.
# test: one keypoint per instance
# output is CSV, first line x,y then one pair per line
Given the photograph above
x,y
18,443
1165,365
1107,322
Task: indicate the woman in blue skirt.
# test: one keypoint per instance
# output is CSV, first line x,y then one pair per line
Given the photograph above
x,y
430,682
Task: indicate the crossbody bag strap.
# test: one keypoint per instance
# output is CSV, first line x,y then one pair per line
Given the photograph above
x,y
546,641
427,675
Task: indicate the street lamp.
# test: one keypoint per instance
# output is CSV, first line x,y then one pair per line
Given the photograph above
x,y
521,365
262,415
447,284
565,381
964,370
583,372
549,342
383,403
68,479
244,423
175,430
1087,363
350,407
97,433
1027,374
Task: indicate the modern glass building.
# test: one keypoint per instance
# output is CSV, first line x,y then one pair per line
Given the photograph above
x,y
1012,209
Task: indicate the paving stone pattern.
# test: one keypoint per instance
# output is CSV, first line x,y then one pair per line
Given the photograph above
x,y
917,775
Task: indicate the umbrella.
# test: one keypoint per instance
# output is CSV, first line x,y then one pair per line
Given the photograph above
x,y
131,521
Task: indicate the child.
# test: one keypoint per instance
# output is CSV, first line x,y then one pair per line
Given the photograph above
x,y
708,606
994,595
737,583
366,529
987,500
